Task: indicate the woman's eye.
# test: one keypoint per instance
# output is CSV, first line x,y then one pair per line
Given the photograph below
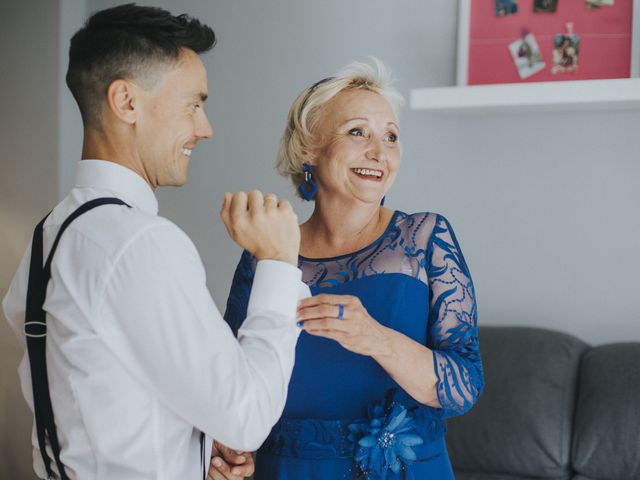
x,y
392,137
356,132
195,107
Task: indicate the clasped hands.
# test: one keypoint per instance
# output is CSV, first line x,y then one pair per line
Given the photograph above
x,y
228,464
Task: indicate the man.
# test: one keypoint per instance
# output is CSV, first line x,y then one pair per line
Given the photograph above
x,y
139,359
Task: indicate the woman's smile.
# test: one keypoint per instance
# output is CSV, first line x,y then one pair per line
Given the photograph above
x,y
369,174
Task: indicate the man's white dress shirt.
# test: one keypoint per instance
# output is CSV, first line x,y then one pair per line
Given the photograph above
x,y
139,358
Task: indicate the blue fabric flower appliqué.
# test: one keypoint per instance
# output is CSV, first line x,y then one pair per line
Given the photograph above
x,y
383,444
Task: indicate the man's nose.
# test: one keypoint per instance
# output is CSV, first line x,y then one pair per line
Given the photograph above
x,y
204,129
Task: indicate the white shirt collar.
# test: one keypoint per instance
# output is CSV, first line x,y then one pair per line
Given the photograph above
x,y
123,182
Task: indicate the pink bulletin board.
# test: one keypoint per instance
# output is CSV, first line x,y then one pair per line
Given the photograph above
x,y
606,47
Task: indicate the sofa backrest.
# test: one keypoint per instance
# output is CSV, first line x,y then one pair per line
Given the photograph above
x,y
606,442
521,426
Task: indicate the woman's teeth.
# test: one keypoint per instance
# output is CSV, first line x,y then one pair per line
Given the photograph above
x,y
187,152
367,172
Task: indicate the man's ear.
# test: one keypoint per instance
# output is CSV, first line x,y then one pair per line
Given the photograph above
x,y
122,100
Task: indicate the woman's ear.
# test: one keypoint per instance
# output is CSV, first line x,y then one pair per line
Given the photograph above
x,y
309,157
122,100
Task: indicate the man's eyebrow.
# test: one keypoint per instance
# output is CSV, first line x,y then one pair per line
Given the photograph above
x,y
203,97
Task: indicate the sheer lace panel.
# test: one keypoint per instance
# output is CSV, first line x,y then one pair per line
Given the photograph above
x,y
400,249
453,321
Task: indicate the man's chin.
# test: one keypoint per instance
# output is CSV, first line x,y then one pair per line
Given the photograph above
x,y
175,181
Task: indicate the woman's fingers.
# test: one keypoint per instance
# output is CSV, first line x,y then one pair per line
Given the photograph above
x,y
322,311
334,335
329,299
341,318
328,324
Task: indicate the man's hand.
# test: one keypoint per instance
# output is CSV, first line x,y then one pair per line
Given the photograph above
x,y
227,464
265,226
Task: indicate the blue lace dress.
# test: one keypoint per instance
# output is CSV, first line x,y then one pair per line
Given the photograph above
x,y
345,417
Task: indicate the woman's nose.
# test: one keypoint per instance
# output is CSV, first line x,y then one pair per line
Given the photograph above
x,y
375,149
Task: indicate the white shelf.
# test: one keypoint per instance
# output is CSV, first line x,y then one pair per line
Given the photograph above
x,y
614,94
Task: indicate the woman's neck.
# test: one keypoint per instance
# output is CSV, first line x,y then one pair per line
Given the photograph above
x,y
331,232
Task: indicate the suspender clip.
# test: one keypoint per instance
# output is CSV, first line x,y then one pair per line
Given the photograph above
x,y
35,329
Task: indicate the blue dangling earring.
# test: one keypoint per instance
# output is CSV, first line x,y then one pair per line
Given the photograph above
x,y
308,187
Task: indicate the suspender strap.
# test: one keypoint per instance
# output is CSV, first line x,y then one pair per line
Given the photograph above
x,y
203,458
35,328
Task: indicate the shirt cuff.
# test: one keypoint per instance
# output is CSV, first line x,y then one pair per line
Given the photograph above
x,y
276,288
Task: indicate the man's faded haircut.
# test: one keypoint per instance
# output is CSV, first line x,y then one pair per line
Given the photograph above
x,y
127,42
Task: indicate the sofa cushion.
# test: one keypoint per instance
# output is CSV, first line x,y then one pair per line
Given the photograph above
x,y
607,425
521,425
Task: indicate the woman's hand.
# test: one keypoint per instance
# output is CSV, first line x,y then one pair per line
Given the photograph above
x,y
228,464
350,325
358,332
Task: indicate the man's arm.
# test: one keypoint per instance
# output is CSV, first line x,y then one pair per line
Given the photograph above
x,y
162,324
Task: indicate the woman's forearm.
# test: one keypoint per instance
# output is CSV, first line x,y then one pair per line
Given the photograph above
x,y
410,364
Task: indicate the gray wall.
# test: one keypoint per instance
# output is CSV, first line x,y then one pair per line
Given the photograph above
x,y
267,53
544,204
28,186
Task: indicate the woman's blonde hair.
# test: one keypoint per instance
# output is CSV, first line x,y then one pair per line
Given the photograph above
x,y
297,140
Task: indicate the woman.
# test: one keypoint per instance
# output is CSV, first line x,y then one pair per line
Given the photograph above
x,y
389,347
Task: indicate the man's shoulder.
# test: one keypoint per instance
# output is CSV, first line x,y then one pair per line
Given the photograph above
x,y
114,228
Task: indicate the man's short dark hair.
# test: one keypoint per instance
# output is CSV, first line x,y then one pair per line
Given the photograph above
x,y
127,42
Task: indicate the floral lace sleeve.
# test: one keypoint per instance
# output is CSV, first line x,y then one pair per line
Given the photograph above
x,y
238,299
453,317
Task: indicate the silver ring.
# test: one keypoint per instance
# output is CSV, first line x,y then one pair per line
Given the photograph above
x,y
340,311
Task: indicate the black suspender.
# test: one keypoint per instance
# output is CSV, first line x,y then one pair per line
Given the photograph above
x,y
35,328
203,457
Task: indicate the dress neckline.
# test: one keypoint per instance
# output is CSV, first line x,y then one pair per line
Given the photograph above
x,y
390,225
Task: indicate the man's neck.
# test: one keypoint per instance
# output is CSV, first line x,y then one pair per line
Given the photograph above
x,y
101,145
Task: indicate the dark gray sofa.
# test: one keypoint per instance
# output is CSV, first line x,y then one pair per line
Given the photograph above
x,y
553,408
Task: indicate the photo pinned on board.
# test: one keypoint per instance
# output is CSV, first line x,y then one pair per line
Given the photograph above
x,y
545,6
600,3
566,49
506,7
526,55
